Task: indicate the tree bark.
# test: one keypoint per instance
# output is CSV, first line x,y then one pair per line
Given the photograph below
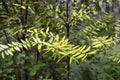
x,y
67,25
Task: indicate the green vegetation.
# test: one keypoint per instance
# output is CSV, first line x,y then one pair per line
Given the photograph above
x,y
59,40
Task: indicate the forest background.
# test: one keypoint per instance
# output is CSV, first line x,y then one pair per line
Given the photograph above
x,y
59,40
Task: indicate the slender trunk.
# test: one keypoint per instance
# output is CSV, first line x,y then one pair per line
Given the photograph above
x,y
68,57
67,25
26,15
23,22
